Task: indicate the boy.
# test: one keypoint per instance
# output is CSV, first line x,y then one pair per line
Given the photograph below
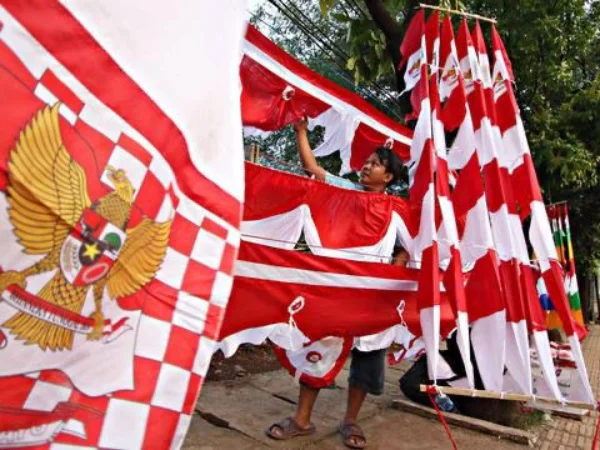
x,y
381,169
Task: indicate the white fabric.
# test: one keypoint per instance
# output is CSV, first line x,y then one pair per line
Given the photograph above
x,y
542,346
328,349
463,342
281,231
315,278
430,328
281,334
339,134
540,235
159,60
517,354
582,391
502,232
476,231
488,338
464,144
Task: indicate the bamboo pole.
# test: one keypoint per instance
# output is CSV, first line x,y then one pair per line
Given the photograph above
x,y
476,393
460,13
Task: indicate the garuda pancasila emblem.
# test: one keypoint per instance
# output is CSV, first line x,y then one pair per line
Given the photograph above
x,y
88,242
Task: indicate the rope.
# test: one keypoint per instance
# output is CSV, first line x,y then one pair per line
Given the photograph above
x,y
431,392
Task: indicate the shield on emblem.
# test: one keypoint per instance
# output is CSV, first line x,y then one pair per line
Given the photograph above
x,y
91,249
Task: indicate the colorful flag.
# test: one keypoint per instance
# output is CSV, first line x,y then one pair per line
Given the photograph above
x,y
121,183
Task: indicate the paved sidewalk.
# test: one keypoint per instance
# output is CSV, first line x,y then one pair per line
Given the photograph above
x,y
234,415
564,433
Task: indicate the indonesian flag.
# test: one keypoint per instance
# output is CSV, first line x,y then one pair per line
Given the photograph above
x,y
529,197
425,249
121,184
447,232
414,56
483,290
489,146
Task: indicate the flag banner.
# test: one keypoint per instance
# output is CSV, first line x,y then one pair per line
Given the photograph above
x,y
278,293
561,230
450,260
529,198
278,90
503,212
281,207
121,184
479,257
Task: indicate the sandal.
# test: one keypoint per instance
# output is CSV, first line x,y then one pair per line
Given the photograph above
x,y
353,436
289,429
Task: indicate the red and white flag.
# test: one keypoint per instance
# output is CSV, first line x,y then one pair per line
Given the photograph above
x,y
485,303
414,56
423,198
489,143
121,183
529,197
447,232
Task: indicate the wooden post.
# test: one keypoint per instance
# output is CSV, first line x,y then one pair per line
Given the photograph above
x,y
476,393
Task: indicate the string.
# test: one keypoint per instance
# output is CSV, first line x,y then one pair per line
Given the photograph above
x,y
431,391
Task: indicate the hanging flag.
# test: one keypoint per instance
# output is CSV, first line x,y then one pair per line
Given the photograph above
x,y
422,198
414,55
121,183
489,146
447,232
571,284
488,317
529,197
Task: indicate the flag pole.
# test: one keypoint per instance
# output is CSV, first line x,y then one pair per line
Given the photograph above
x,y
460,13
477,393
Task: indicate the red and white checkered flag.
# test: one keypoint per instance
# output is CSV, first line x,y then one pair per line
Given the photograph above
x,y
121,184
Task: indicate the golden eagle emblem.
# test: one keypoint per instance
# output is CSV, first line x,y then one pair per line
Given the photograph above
x,y
88,244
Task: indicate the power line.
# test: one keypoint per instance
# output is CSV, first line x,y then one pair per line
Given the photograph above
x,y
344,55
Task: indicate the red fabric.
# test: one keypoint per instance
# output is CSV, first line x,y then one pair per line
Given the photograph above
x,y
263,102
412,39
344,218
341,311
432,33
366,140
498,45
257,39
484,288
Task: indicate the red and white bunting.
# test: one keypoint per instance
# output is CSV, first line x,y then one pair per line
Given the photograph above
x,y
483,289
489,144
447,232
277,90
423,198
528,195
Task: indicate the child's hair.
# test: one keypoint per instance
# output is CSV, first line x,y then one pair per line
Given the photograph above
x,y
392,163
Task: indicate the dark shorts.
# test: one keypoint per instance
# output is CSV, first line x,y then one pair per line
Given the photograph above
x,y
367,371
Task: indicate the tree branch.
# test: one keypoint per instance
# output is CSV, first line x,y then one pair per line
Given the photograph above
x,y
383,19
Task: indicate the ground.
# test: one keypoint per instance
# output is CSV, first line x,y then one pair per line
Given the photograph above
x,y
234,412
